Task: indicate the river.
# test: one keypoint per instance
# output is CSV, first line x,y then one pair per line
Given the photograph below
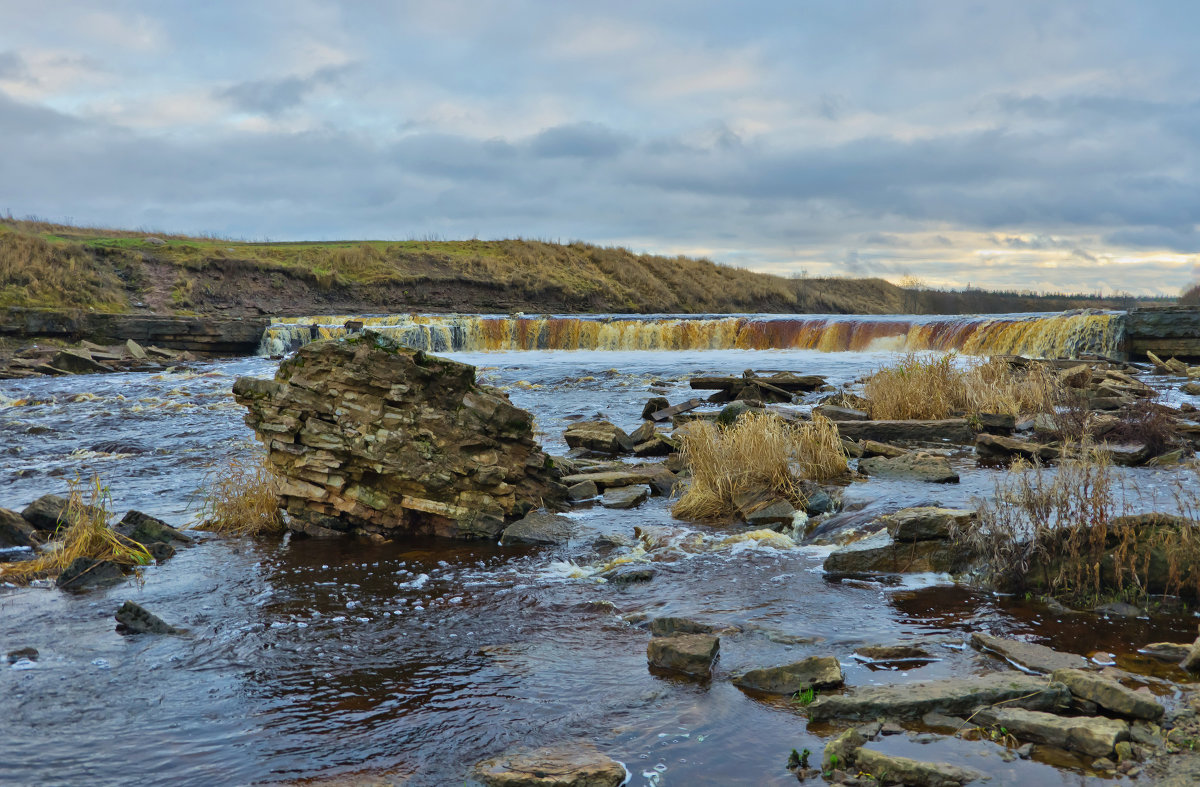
x,y
315,660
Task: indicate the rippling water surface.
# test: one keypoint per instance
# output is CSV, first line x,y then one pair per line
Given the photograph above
x,y
323,659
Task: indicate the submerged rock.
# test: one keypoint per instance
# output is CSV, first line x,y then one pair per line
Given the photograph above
x,y
954,697
669,626
84,573
577,764
918,466
629,573
691,654
368,435
135,619
1027,655
815,672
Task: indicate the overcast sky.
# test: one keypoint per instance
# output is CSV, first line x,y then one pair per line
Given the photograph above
x,y
1016,144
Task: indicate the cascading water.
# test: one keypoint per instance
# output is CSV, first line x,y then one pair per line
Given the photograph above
x,y
1046,336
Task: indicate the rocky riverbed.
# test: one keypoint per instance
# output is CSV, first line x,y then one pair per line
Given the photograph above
x,y
413,661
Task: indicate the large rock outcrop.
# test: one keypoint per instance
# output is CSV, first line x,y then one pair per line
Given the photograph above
x,y
369,436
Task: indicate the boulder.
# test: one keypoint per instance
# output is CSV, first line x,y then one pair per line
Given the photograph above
x,y
625,496
690,654
600,436
996,448
893,769
147,530
1027,655
642,433
880,554
576,764
1096,737
953,697
657,445
84,573
46,513
15,530
369,436
840,752
135,350
1109,695
733,411
926,523
919,466
950,430
816,672
584,490
135,619
653,405
540,527
996,423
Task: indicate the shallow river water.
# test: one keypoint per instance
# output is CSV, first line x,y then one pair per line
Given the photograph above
x,y
313,660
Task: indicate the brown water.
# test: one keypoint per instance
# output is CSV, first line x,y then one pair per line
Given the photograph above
x,y
319,659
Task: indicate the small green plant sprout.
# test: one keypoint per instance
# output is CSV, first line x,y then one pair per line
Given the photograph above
x,y
805,697
798,760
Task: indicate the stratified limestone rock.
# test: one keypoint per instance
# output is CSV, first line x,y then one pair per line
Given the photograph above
x,y
373,437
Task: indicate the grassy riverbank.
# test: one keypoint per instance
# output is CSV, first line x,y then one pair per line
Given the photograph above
x,y
59,266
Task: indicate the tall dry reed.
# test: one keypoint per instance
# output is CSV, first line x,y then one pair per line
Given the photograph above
x,y
241,498
933,386
85,532
759,452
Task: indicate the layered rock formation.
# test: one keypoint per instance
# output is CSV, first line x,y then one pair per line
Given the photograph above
x,y
371,437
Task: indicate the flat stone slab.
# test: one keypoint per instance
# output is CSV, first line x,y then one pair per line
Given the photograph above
x,y
950,430
625,496
1109,695
954,697
1094,736
990,446
1028,655
902,770
613,478
815,672
577,764
691,654
915,466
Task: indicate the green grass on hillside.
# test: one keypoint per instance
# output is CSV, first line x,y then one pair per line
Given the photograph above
x,y
60,266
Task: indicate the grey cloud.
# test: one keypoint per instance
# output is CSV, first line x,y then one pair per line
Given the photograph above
x,y
578,140
273,96
12,66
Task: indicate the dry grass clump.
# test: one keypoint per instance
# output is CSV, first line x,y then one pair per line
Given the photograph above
x,y
39,273
242,499
759,452
934,386
86,534
1068,534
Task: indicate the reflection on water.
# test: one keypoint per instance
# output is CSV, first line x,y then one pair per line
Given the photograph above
x,y
336,657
